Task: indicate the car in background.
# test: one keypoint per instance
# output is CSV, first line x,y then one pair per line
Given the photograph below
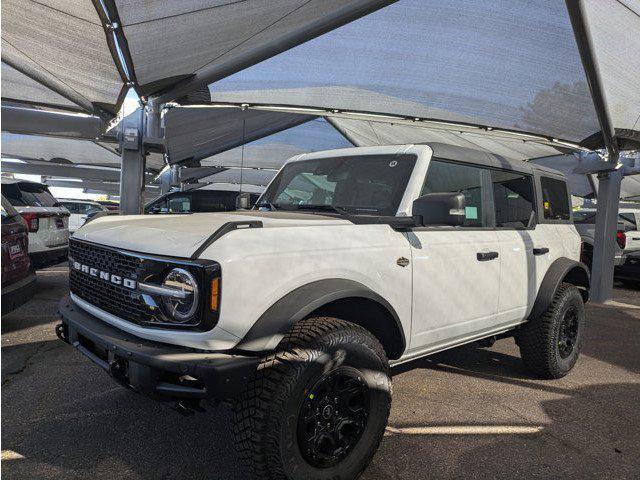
x,y
200,200
18,280
47,220
109,204
80,211
627,255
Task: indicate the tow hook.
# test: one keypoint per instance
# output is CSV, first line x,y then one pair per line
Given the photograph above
x,y
118,369
62,332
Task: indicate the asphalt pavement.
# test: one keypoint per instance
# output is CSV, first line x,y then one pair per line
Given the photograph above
x,y
467,413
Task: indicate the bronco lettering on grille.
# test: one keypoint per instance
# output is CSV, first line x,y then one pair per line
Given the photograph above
x,y
106,276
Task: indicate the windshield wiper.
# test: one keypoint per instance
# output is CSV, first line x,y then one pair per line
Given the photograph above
x,y
325,208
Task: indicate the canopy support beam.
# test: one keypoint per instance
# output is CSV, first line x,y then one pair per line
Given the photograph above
x,y
609,182
133,165
604,247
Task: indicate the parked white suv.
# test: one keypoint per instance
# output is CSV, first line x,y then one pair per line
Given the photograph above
x,y
47,220
80,211
353,260
627,241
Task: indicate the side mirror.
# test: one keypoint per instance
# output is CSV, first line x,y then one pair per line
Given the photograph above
x,y
243,201
440,209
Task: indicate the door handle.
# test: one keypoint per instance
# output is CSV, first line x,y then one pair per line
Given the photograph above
x,y
540,251
486,256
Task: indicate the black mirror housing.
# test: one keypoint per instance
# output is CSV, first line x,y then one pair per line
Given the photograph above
x,y
444,209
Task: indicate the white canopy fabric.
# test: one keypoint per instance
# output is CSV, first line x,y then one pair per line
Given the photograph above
x,y
63,45
88,51
615,30
273,151
18,87
245,177
505,64
196,133
83,152
367,133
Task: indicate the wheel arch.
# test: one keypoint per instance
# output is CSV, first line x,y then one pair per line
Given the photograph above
x,y
562,270
340,298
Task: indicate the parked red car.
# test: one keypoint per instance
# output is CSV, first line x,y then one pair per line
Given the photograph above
x,y
18,280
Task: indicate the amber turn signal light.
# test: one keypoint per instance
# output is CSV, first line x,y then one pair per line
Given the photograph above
x,y
215,294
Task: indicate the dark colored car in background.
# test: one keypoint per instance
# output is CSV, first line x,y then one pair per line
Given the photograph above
x,y
18,280
193,201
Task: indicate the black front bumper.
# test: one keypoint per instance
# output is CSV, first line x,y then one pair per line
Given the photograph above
x,y
161,371
48,258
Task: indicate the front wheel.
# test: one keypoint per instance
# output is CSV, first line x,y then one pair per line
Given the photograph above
x,y
318,407
550,344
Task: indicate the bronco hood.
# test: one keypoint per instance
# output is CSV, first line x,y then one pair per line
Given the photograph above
x,y
181,235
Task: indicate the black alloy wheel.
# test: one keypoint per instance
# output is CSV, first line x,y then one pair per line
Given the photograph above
x,y
333,417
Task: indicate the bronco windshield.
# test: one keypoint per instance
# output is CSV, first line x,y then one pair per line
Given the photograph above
x,y
358,185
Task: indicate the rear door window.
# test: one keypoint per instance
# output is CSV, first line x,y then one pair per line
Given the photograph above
x,y
555,199
447,177
513,198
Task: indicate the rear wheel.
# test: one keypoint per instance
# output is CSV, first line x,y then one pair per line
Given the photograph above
x,y
316,409
550,344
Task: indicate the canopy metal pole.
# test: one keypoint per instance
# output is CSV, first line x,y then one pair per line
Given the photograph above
x,y
609,181
605,247
133,165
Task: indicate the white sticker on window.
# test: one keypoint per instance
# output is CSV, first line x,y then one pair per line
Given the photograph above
x,y
471,213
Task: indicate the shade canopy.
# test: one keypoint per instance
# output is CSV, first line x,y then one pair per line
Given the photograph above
x,y
272,151
88,52
18,87
506,64
66,150
63,46
199,132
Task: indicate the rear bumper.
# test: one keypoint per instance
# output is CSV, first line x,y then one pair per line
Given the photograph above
x,y
18,293
48,258
160,371
629,270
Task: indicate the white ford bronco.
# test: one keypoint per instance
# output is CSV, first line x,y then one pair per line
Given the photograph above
x,y
351,261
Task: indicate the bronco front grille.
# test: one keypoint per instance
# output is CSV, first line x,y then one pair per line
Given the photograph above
x,y
115,299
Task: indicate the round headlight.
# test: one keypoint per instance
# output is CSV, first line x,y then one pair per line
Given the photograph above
x,y
182,306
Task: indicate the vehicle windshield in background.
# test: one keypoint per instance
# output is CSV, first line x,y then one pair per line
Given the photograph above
x,y
627,220
584,217
29,195
368,185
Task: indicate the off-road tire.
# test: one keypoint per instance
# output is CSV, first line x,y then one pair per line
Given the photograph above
x,y
266,413
538,339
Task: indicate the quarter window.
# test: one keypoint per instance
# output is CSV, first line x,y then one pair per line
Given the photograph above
x,y
446,177
513,198
555,199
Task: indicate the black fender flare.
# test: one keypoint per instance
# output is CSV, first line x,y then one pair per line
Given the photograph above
x,y
278,319
563,268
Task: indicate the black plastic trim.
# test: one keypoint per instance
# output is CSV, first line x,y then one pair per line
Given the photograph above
x,y
556,274
153,368
270,328
223,230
